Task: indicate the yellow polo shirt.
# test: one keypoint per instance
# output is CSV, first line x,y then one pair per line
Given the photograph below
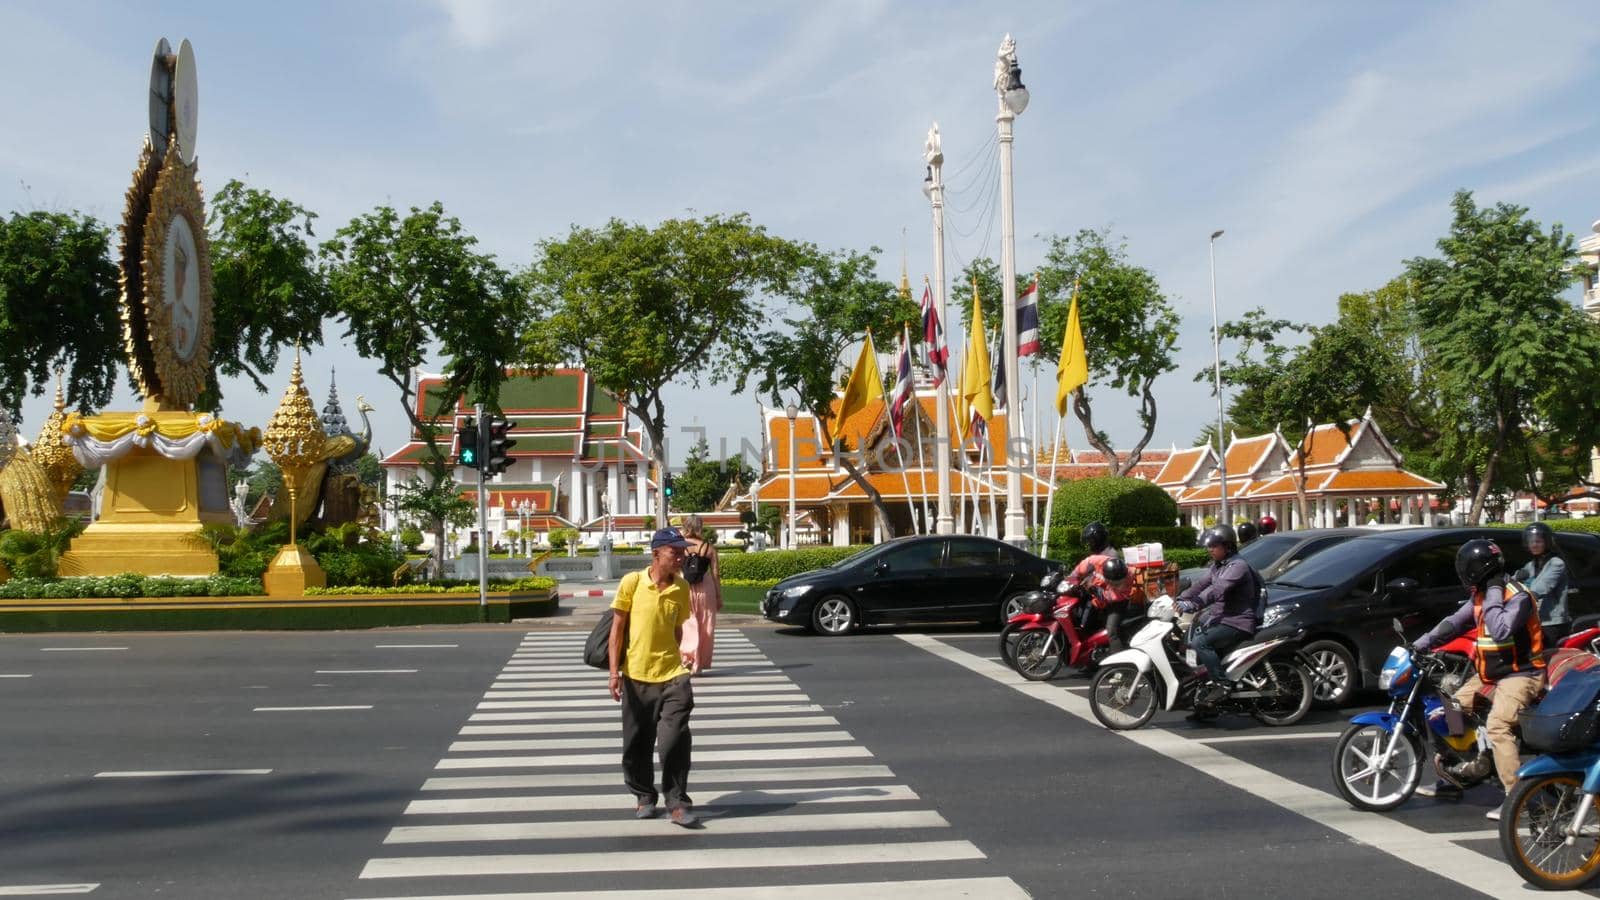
x,y
654,615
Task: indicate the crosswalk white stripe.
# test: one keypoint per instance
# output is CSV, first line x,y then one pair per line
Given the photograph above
x,y
610,760
717,674
41,890
706,801
523,691
672,860
602,743
552,680
990,888
702,777
631,828
608,703
701,714
610,727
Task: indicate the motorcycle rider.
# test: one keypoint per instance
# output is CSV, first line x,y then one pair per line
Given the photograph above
x,y
1267,525
1231,586
1246,532
1106,586
1509,657
1546,577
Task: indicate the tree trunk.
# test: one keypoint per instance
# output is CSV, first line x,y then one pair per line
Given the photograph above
x,y
878,506
1301,502
1486,480
1085,414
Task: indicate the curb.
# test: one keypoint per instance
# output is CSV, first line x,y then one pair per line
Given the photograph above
x,y
573,595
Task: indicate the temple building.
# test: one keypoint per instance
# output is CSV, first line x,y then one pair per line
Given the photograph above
x,y
576,462
1353,476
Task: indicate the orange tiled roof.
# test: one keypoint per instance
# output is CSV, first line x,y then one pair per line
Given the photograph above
x,y
890,485
1238,488
810,445
1245,454
1380,480
813,485
1283,485
1180,466
1324,444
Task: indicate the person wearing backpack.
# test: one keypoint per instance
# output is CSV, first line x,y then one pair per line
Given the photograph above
x,y
1546,577
703,571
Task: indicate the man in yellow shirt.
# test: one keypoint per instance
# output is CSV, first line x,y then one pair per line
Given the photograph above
x,y
652,683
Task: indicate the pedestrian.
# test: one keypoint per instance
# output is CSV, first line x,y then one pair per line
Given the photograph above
x,y
652,683
703,571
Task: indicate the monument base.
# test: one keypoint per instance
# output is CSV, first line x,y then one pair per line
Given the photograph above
x,y
291,572
107,548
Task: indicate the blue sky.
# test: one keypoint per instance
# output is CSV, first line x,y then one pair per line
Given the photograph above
x,y
1326,138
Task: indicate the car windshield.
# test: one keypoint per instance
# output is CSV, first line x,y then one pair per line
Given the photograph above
x,y
1263,552
857,557
1339,563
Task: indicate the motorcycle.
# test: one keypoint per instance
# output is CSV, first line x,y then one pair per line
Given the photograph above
x,y
1272,679
1046,636
1031,608
1379,759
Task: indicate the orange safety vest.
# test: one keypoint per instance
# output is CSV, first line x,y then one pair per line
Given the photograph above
x,y
1524,652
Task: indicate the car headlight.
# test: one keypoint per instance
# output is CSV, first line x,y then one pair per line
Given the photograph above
x,y
795,593
1277,613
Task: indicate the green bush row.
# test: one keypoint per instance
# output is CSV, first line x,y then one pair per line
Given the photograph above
x,y
1589,525
1186,557
776,565
1133,510
519,585
127,587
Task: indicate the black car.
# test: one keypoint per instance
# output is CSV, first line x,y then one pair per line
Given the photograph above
x,y
1277,553
1346,597
909,579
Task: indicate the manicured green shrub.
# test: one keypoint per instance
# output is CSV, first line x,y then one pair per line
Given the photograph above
x,y
520,585
128,586
1186,557
775,565
1133,510
411,537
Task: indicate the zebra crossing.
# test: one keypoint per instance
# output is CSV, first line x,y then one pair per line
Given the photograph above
x,y
528,802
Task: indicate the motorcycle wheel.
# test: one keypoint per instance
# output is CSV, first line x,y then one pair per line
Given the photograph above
x,y
1123,698
1533,833
1031,659
1294,701
1355,768
1008,643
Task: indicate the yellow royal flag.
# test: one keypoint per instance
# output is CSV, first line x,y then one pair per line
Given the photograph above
x,y
1074,370
976,376
865,385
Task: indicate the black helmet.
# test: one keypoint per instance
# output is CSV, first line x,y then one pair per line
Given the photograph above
x,y
1220,534
1246,531
1478,561
1542,530
1096,538
1114,570
1268,525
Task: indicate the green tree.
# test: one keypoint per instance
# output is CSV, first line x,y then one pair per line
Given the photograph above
x,y
403,285
1262,353
1515,358
836,299
704,480
370,470
1129,329
983,274
58,308
640,308
269,290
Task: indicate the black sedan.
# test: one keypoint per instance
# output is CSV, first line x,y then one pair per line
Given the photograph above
x,y
1347,597
1277,553
910,579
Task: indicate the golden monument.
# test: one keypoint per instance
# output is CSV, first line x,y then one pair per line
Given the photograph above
x,y
295,441
165,466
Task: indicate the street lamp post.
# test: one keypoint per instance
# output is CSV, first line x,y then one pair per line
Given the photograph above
x,y
1013,99
933,153
793,413
1216,363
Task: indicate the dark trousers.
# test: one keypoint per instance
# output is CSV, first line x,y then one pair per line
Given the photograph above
x,y
1115,613
1210,644
655,714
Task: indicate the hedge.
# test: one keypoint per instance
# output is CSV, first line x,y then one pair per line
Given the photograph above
x,y
1187,557
1133,510
1587,525
128,586
539,583
776,565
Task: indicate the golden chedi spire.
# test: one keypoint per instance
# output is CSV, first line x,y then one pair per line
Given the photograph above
x,y
294,437
51,452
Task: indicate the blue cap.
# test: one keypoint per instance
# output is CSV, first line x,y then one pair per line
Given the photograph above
x,y
667,537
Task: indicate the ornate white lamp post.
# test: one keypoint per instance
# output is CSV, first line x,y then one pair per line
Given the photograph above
x,y
933,186
1013,99
1216,362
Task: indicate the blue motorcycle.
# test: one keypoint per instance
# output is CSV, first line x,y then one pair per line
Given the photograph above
x,y
1379,760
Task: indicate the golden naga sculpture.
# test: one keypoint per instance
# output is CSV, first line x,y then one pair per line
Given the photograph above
x,y
25,490
52,453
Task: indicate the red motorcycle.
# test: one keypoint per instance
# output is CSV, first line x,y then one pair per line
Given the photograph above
x,y
1058,627
1457,655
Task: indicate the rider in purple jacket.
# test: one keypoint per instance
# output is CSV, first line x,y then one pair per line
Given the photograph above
x,y
1228,584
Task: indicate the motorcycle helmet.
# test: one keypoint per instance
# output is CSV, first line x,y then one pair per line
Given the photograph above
x,y
1246,531
1478,561
1543,531
1096,538
1115,570
1220,534
1268,525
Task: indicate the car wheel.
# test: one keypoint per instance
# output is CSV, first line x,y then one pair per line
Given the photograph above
x,y
1010,607
1333,673
834,616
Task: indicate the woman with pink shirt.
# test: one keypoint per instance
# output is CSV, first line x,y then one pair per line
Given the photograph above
x,y
705,597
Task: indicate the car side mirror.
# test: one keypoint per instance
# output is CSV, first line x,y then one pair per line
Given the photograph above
x,y
1399,631
1404,587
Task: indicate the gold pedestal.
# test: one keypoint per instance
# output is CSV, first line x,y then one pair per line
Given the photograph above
x,y
292,571
150,516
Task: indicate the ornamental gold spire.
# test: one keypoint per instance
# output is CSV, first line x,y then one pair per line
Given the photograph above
x,y
294,438
50,449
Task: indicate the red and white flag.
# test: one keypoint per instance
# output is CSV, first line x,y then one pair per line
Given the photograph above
x,y
1028,320
904,388
933,337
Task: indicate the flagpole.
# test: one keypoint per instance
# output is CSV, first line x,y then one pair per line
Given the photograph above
x,y
934,154
1050,501
1033,401
899,447
922,463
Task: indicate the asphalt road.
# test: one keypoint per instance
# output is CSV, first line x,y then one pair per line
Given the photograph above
x,y
889,764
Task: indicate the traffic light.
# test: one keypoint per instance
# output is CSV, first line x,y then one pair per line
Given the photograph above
x,y
467,443
667,487
496,453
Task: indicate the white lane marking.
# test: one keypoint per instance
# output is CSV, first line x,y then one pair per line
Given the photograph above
x,y
991,888
42,890
760,777
1467,868
630,828
709,800
415,646
604,702
76,649
522,692
365,672
307,708
601,743
182,773
665,860
591,760
1490,835
540,679
1251,738
610,727
16,676
700,714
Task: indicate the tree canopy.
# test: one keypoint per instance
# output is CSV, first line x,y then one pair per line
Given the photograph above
x,y
704,480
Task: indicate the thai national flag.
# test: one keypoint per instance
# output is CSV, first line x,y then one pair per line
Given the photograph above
x,y
1028,321
933,337
904,390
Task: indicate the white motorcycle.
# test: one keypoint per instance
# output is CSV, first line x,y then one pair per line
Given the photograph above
x,y
1272,681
